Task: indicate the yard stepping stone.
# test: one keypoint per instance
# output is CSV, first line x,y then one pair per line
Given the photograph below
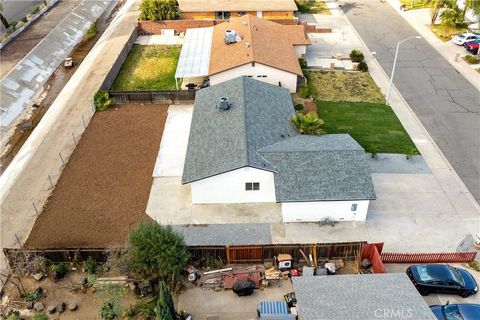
x,y
38,306
72,306
29,305
61,307
52,309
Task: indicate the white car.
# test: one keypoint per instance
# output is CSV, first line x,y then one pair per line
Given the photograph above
x,y
461,39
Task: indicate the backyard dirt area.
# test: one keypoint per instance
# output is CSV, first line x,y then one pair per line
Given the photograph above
x,y
104,188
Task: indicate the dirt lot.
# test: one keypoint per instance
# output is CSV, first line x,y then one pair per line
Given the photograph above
x,y
104,189
28,39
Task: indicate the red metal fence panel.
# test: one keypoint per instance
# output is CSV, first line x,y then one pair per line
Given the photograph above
x,y
371,252
442,257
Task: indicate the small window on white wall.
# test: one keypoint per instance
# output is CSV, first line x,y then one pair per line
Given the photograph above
x,y
252,186
354,207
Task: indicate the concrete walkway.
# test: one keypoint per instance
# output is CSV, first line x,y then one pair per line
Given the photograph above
x,y
26,179
446,49
25,82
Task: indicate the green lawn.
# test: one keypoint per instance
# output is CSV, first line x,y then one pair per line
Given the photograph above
x,y
372,125
345,86
417,4
312,6
149,68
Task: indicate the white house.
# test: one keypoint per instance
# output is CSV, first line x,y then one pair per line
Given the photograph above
x,y
243,149
247,46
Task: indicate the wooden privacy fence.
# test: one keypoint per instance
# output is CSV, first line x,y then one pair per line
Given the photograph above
x,y
442,257
151,96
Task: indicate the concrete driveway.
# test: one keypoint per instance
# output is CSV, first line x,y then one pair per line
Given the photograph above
x,y
444,101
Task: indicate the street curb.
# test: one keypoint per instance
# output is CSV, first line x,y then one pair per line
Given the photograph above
x,y
449,166
28,23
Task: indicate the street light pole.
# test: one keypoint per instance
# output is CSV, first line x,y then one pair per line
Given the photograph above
x,y
395,64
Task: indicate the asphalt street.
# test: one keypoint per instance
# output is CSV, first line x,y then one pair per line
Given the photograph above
x,y
445,102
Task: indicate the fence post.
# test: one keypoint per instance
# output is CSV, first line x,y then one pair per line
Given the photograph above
x,y
227,253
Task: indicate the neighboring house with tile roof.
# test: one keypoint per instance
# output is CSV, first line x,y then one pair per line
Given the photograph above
x,y
251,153
258,48
226,9
263,50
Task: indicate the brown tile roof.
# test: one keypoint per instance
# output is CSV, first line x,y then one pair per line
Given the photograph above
x,y
262,41
236,5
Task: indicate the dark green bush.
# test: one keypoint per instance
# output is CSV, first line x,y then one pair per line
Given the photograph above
x,y
35,10
356,55
90,266
299,107
303,63
13,315
362,66
307,91
58,271
34,295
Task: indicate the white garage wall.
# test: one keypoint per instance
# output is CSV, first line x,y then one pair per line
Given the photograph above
x,y
316,211
229,187
274,76
301,51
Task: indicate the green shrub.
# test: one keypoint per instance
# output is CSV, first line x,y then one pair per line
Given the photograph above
x,y
40,316
34,295
24,20
91,32
308,123
13,314
471,59
211,263
356,55
58,271
303,63
299,107
110,310
102,100
362,66
90,266
307,91
35,10
475,265
410,152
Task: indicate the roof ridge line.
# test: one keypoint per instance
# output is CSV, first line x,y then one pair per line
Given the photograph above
x,y
245,120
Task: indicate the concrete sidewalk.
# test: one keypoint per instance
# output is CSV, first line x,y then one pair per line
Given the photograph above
x,y
25,82
446,49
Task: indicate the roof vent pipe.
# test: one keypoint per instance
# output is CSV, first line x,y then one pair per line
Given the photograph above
x,y
224,104
230,37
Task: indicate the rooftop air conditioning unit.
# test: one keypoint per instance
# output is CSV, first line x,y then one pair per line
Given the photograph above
x,y
224,104
230,37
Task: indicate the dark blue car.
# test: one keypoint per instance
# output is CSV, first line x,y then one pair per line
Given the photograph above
x,y
442,278
463,311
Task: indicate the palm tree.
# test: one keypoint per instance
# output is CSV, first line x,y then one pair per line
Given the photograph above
x,y
2,18
474,5
451,16
308,123
435,7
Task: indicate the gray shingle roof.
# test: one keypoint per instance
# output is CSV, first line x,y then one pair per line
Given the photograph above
x,y
359,297
329,167
256,132
225,234
222,141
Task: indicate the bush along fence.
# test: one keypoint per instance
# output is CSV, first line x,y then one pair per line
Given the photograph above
x,y
442,257
151,96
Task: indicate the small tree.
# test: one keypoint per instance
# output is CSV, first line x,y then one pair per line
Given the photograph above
x,y
110,310
307,90
451,16
158,10
165,309
157,251
362,66
356,55
308,123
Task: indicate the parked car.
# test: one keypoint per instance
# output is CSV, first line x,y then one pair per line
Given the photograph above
x,y
464,37
472,46
442,278
463,311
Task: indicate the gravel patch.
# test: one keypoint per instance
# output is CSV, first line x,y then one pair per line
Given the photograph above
x,y
397,163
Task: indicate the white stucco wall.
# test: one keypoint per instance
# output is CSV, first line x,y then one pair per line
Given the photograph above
x,y
229,187
301,51
316,211
274,76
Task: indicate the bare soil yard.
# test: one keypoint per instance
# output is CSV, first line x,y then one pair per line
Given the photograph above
x,y
104,188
